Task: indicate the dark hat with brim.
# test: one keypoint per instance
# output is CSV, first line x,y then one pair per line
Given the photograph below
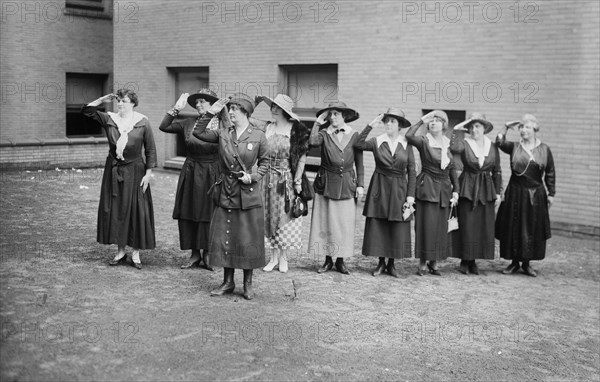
x,y
478,117
352,115
244,101
206,94
399,115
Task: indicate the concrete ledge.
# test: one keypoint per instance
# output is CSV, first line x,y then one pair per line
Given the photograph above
x,y
6,142
579,231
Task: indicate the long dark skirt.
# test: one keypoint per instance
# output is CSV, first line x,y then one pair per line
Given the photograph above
x,y
237,238
125,213
431,231
384,238
193,235
476,227
523,223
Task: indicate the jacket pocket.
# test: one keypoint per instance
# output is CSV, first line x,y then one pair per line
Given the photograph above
x,y
251,197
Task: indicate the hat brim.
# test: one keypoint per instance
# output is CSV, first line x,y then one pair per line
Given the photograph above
x,y
270,103
194,97
353,113
486,124
403,122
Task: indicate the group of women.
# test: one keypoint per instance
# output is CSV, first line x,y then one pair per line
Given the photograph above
x,y
243,187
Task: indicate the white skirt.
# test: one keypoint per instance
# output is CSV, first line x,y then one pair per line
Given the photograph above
x,y
332,227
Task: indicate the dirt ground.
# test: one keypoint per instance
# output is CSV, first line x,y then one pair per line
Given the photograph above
x,y
66,315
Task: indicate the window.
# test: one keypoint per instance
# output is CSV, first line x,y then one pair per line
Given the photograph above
x,y
187,80
89,8
82,89
312,87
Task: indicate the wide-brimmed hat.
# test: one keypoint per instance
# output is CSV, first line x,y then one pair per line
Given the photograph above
x,y
284,102
399,115
352,115
206,94
479,117
244,101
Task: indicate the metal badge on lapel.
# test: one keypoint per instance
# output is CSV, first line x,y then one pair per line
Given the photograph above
x,y
250,146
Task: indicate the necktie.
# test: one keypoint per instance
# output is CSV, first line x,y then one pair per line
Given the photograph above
x,y
339,130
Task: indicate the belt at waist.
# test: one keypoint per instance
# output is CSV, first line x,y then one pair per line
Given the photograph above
x,y
439,175
117,176
334,169
203,158
390,173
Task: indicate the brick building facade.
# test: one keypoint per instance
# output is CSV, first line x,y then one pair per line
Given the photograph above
x,y
500,58
54,55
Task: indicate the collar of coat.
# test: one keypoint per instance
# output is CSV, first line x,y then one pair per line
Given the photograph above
x,y
124,124
392,143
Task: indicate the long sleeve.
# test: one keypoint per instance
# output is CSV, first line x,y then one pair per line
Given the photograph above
x,y
211,136
503,144
457,142
412,138
412,173
149,147
362,143
262,159
95,114
454,178
360,168
497,171
550,174
315,138
170,124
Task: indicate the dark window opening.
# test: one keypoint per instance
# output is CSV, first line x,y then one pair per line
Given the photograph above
x,y
82,89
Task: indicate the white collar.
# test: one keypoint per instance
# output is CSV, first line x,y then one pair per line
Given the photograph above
x,y
386,138
124,123
480,152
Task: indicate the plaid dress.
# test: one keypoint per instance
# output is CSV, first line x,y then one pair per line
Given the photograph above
x,y
282,231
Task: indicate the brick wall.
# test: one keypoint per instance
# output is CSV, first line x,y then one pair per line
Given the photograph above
x,y
497,58
40,43
539,58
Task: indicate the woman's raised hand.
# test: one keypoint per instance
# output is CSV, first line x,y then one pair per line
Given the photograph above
x,y
461,126
377,121
511,124
428,117
217,106
322,119
180,104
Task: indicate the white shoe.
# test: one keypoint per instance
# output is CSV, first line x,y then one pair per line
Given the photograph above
x,y
283,265
269,267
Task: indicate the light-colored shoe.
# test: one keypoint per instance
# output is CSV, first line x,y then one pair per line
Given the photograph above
x,y
272,264
283,265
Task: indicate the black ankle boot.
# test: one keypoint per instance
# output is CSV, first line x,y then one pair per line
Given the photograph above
x,y
205,264
380,267
327,265
248,291
391,269
463,268
228,285
473,268
340,266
